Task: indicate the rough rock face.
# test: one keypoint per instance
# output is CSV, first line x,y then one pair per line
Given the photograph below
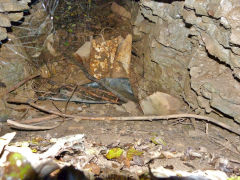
x,y
218,26
166,60
13,64
16,55
11,11
200,38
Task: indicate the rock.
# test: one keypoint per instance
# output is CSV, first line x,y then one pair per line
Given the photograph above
x,y
132,108
213,82
121,11
165,63
176,32
15,16
4,21
83,53
13,5
13,64
233,17
160,104
200,35
235,36
122,61
215,49
3,33
11,10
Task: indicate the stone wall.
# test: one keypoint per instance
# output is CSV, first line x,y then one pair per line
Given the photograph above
x,y
191,49
11,11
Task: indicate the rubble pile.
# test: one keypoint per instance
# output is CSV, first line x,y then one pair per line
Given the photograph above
x,y
200,38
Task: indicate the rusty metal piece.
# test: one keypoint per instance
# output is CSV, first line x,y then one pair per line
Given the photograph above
x,y
102,56
95,92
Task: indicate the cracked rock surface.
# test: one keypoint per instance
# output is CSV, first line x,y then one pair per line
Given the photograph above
x,y
196,38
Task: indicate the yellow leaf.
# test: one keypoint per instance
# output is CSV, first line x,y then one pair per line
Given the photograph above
x,y
114,153
133,152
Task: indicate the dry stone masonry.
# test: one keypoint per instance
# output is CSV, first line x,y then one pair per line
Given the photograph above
x,y
11,11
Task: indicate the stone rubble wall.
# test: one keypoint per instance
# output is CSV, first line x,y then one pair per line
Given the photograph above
x,y
19,54
11,11
193,52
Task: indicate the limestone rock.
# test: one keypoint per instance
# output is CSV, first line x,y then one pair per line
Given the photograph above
x,y
215,49
13,64
4,20
121,11
11,10
202,35
3,33
213,82
160,104
15,16
13,5
235,36
176,32
83,53
132,108
123,57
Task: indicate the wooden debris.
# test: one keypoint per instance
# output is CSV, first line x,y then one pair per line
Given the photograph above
x,y
134,118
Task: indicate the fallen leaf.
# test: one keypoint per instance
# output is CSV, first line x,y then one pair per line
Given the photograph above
x,y
133,152
126,163
234,178
158,141
114,153
18,167
94,168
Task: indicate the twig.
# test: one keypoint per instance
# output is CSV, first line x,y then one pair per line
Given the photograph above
x,y
3,95
56,106
136,118
40,119
234,161
81,66
98,96
99,90
74,99
50,111
21,83
20,126
66,105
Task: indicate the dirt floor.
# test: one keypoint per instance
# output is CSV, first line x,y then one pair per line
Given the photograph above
x,y
181,144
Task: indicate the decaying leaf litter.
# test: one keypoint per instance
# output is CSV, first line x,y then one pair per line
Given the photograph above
x,y
107,147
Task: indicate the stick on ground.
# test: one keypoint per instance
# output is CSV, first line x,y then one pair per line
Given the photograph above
x,y
21,83
39,119
20,126
134,118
